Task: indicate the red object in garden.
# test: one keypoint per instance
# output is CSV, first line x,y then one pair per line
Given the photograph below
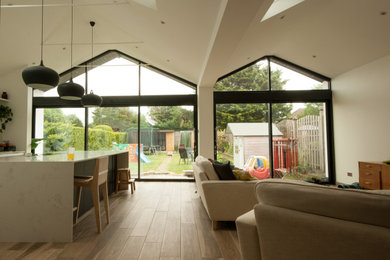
x,y
260,173
285,154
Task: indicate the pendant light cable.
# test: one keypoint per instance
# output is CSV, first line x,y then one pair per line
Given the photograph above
x,y
42,33
71,43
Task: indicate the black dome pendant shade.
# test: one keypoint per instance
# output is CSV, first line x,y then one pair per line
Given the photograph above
x,y
91,100
40,77
70,91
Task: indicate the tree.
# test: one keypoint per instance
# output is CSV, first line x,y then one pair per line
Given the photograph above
x,y
119,118
311,109
74,120
53,115
252,78
173,118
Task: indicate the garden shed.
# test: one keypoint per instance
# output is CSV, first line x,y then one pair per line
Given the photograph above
x,y
250,139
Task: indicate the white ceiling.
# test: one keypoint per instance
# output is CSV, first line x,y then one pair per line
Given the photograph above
x,y
198,40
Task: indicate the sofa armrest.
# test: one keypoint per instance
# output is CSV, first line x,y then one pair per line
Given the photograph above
x,y
226,200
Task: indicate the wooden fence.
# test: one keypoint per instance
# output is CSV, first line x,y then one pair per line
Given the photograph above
x,y
309,133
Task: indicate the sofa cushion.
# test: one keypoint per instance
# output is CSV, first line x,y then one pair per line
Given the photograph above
x,y
243,175
207,167
224,171
368,207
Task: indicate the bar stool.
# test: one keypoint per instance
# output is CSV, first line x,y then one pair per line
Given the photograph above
x,y
128,179
99,178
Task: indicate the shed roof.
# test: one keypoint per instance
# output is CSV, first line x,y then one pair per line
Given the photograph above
x,y
251,129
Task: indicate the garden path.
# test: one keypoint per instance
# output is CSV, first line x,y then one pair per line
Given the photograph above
x,y
163,167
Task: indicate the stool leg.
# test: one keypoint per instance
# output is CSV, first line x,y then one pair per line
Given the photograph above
x,y
117,182
105,197
95,197
78,196
129,182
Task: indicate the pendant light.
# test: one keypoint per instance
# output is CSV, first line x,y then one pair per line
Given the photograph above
x,y
70,90
91,100
40,77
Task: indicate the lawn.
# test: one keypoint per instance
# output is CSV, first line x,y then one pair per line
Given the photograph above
x,y
157,160
177,168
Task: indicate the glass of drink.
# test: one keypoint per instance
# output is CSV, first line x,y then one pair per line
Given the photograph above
x,y
70,153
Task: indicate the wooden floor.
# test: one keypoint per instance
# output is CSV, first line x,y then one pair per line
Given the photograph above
x,y
161,220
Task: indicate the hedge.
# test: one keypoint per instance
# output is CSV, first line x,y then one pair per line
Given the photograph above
x,y
61,136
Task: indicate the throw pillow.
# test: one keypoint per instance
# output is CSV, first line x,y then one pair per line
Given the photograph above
x,y
224,171
243,175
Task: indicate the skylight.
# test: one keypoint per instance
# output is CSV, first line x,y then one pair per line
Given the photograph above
x,y
279,6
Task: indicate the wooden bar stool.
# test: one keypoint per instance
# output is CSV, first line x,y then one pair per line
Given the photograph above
x,y
99,178
124,171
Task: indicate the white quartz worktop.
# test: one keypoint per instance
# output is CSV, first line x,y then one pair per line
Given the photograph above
x,y
60,157
37,194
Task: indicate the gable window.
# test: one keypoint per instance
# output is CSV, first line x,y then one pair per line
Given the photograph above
x,y
133,115
279,126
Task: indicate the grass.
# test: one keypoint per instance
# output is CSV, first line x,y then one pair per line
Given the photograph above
x,y
177,168
157,160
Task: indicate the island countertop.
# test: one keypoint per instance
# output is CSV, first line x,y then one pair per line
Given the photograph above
x,y
79,156
37,193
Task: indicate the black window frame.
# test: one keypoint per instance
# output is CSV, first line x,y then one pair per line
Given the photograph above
x,y
270,97
121,101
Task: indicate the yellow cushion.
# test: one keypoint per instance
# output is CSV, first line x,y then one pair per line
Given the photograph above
x,y
243,175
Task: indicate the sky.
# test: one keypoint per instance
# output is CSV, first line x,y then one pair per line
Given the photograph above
x,y
123,80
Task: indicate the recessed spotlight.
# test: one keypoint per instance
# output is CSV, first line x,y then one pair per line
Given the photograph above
x,y
168,60
314,56
383,13
63,48
162,22
249,58
136,47
282,17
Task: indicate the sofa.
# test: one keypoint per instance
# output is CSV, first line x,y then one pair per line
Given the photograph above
x,y
298,220
224,200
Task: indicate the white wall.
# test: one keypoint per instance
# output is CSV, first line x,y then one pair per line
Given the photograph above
x,y
18,131
361,105
206,122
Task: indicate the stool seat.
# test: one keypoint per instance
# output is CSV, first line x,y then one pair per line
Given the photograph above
x,y
82,179
127,180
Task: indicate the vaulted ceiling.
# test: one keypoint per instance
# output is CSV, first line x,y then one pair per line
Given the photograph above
x,y
198,40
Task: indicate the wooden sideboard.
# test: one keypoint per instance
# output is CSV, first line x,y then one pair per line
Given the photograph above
x,y
374,175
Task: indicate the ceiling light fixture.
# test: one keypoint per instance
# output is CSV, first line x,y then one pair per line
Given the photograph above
x,y
40,77
91,100
70,90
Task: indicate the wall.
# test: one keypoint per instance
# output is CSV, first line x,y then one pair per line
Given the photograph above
x,y
206,122
18,131
361,117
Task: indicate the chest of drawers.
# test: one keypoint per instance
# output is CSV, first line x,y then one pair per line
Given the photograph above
x,y
374,175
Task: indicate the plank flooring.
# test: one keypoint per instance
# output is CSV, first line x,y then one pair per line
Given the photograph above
x,y
161,220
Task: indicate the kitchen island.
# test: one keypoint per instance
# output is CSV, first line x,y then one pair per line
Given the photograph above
x,y
37,194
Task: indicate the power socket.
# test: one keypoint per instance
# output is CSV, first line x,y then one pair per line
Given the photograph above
x,y
349,174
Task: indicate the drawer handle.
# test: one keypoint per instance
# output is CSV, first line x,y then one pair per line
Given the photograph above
x,y
367,182
368,173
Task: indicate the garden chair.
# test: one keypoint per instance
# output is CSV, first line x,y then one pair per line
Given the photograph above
x,y
183,155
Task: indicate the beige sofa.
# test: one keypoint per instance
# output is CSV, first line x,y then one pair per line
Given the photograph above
x,y
296,220
223,200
